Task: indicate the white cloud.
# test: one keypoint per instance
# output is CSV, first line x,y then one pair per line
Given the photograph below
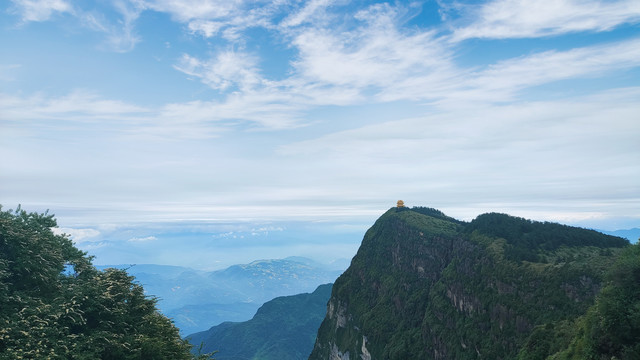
x,y
501,19
265,230
121,34
227,69
375,54
536,69
373,70
503,80
78,235
85,112
229,18
40,10
79,105
307,13
143,239
205,27
91,247
385,65
122,37
565,154
211,118
186,10
333,67
379,62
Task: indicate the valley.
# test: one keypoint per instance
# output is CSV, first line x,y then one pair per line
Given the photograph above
x,y
197,300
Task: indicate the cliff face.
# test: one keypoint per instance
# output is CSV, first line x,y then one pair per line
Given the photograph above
x,y
426,286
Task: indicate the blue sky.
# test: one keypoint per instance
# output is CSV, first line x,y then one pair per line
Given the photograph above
x,y
207,133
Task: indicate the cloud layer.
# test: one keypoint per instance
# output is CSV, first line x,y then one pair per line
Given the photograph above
x,y
505,19
318,111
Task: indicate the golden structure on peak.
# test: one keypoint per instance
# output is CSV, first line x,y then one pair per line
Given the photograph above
x,y
400,203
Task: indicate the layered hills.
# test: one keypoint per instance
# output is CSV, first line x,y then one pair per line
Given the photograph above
x,y
283,329
426,286
196,300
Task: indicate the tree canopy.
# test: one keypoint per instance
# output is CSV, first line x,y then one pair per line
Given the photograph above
x,y
55,305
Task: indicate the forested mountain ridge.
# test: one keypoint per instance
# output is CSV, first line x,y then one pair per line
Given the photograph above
x,y
48,311
426,286
283,329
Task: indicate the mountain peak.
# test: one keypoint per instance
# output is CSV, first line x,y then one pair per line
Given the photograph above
x,y
424,285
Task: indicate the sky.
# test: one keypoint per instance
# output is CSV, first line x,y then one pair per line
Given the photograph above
x,y
212,132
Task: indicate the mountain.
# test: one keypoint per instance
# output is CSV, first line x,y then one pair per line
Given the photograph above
x,y
192,318
426,286
197,300
630,234
283,329
263,280
152,270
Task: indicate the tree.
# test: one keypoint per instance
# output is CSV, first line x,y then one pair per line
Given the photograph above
x,y
54,304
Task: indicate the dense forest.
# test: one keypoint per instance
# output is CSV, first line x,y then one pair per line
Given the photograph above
x,y
610,329
55,305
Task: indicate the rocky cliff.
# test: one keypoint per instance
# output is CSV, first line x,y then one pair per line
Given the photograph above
x,y
426,286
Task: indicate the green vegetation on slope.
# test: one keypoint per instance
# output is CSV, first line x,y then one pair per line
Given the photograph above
x,y
55,305
283,329
610,329
527,240
423,285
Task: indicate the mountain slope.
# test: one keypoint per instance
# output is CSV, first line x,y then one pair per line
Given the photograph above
x,y
609,330
283,328
426,286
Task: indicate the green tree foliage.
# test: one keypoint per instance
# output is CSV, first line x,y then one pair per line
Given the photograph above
x,y
55,305
435,213
611,327
527,239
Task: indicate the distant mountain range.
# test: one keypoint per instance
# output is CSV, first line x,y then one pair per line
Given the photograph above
x,y
283,329
630,234
422,285
197,300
